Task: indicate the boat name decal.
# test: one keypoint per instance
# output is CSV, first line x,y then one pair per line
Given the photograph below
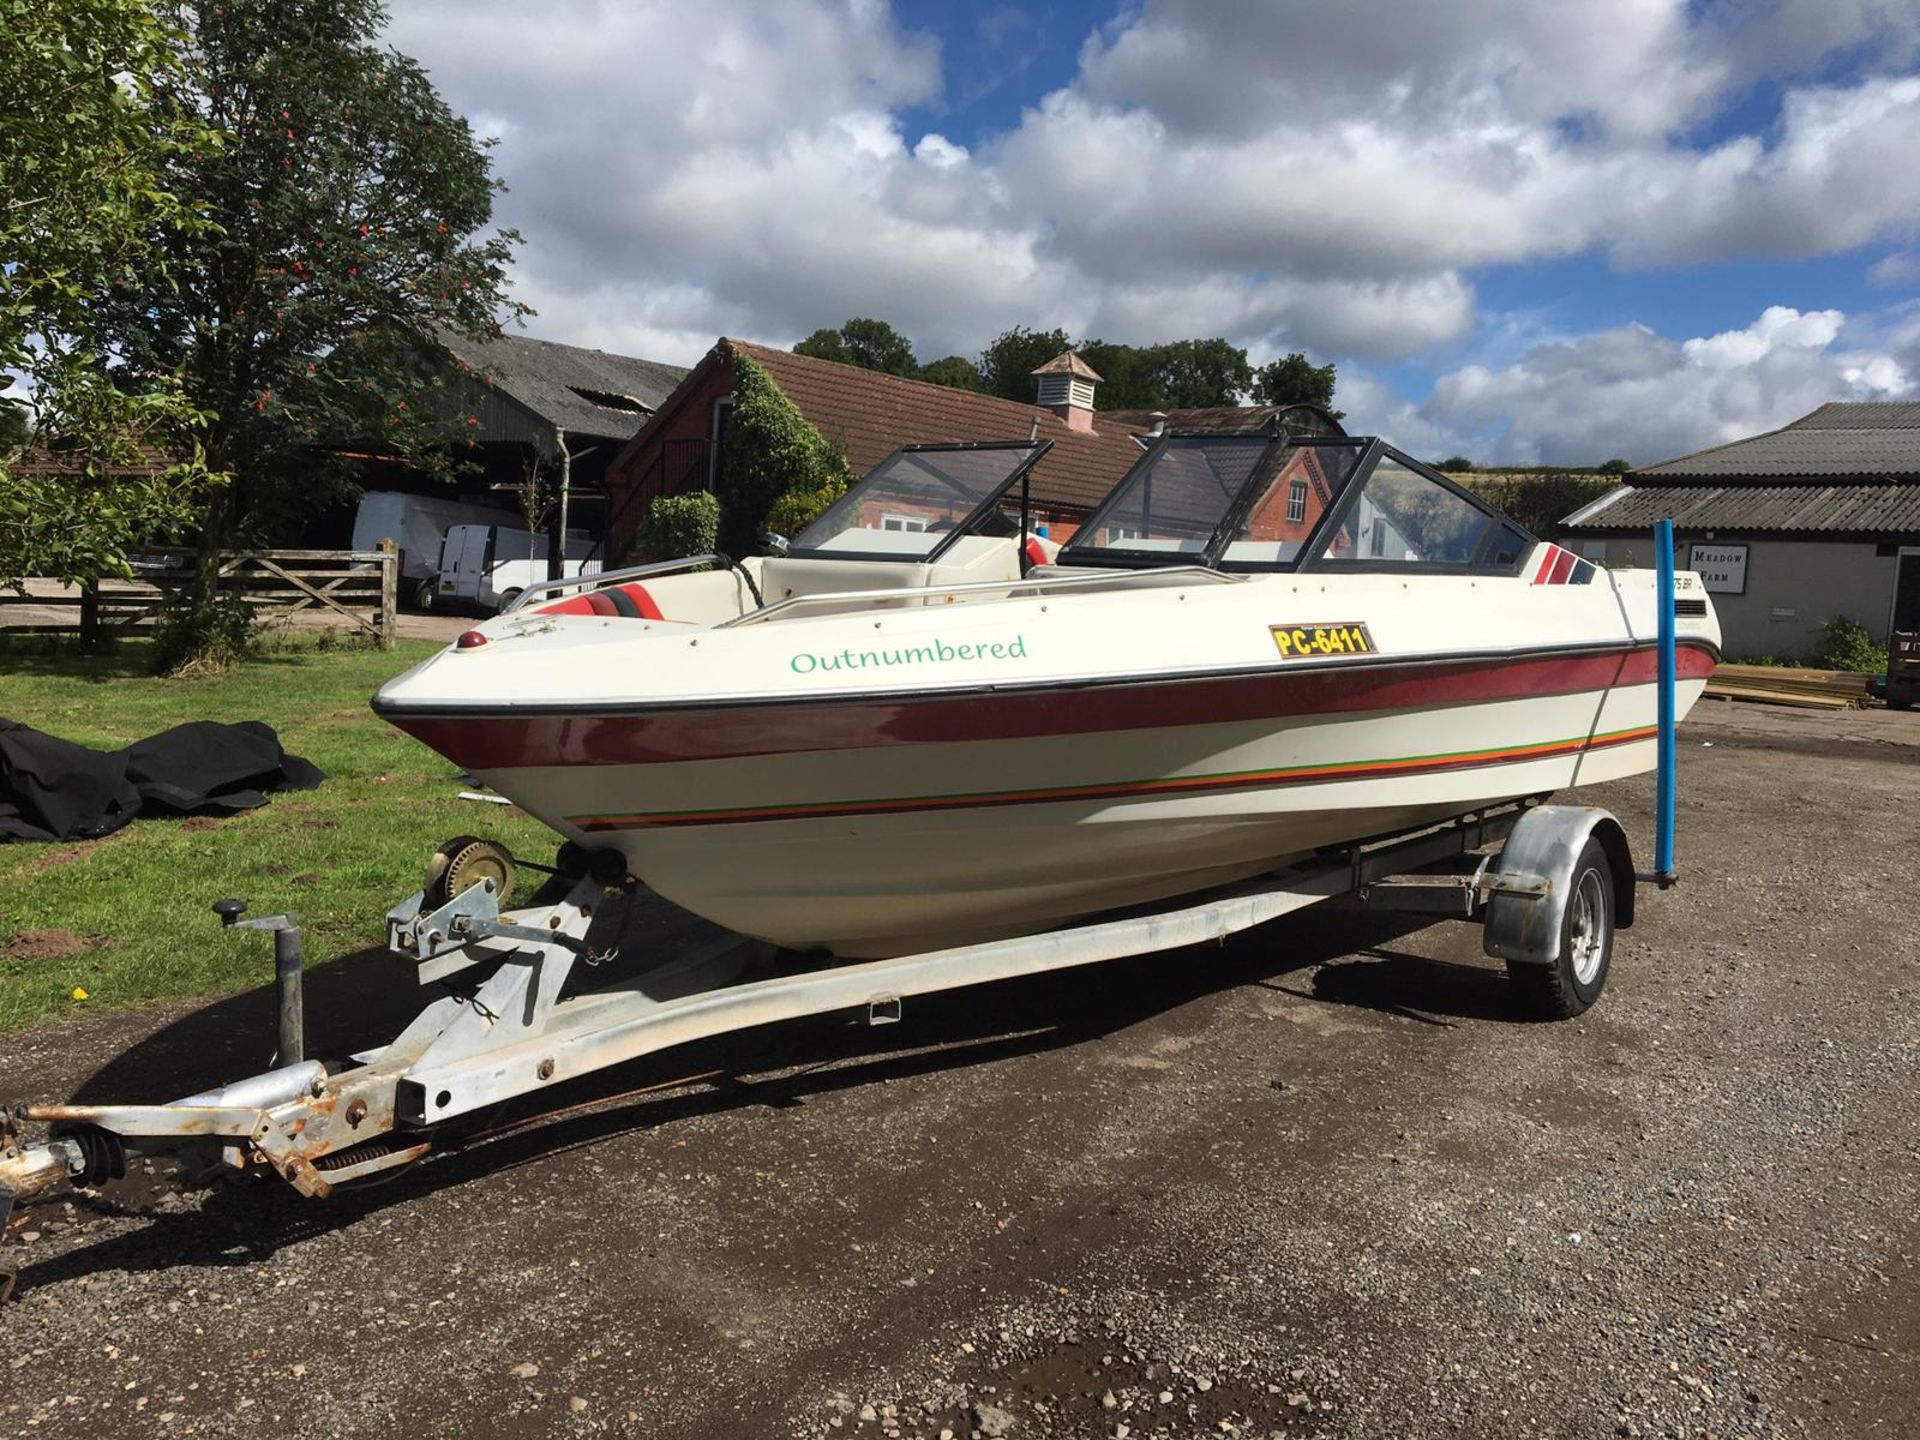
x,y
1309,642
931,652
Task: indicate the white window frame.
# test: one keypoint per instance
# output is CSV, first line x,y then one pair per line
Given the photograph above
x,y
905,524
1296,501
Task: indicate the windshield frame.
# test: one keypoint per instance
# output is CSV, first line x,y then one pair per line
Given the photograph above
x,y
959,532
1232,518
1312,552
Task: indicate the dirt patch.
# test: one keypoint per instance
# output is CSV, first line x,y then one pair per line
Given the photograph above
x,y
200,822
43,945
61,855
1037,1208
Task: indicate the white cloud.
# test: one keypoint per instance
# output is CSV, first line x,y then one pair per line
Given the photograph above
x,y
1630,392
1320,174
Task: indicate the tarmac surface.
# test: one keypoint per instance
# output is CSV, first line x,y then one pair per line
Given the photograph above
x,y
1321,1181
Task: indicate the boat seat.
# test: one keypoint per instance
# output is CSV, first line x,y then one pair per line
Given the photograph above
x,y
783,577
630,600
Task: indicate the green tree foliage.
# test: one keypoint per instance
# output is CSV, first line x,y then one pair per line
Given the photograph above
x,y
349,202
681,525
955,371
1615,466
1179,375
16,425
87,148
870,344
776,469
1454,465
1541,501
1296,380
1007,365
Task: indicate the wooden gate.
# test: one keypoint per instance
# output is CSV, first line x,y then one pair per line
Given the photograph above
x,y
358,589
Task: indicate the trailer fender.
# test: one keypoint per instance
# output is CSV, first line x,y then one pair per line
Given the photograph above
x,y
1546,845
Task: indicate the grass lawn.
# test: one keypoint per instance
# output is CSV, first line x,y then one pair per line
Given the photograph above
x,y
131,912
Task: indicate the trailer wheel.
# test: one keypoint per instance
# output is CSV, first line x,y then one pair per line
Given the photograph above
x,y
1578,972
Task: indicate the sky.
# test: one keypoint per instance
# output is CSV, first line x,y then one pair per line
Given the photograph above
x,y
1527,231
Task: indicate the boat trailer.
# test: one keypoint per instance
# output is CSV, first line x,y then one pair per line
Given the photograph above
x,y
502,1023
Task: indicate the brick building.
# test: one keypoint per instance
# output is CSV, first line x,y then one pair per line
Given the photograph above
x,y
870,415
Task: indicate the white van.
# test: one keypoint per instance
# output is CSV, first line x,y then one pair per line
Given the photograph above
x,y
488,565
417,524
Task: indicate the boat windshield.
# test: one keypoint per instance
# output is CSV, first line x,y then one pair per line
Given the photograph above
x,y
921,500
1241,501
1259,502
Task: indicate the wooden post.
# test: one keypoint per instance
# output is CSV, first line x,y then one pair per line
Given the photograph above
x,y
389,590
89,613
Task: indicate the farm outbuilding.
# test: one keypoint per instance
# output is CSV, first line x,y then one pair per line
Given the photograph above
x,y
1816,520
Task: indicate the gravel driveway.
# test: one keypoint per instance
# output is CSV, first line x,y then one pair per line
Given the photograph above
x,y
1321,1182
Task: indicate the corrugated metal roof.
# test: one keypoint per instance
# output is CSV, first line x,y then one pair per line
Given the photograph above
x,y
1874,441
584,392
1798,509
1863,415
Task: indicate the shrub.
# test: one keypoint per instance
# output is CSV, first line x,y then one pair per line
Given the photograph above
x,y
189,640
771,452
1846,645
681,525
797,509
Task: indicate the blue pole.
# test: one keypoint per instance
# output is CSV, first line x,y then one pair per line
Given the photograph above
x,y
1668,756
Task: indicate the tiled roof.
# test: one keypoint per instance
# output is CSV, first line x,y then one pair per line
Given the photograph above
x,y
1231,419
54,460
585,392
872,415
1851,509
1874,441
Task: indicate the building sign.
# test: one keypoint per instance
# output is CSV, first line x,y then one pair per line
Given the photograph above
x,y
1722,568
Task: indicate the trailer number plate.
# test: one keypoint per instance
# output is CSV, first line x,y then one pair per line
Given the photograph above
x,y
1310,642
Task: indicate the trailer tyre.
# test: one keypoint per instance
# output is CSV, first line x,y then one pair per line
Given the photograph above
x,y
1578,972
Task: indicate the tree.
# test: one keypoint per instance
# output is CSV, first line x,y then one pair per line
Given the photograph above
x,y
1178,375
84,205
1454,465
955,371
870,344
16,426
1296,380
1615,466
349,202
1007,365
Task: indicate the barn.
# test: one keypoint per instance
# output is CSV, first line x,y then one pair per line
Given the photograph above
x,y
1817,520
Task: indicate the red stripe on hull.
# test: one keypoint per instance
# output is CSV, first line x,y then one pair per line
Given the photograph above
x,y
1198,784
504,742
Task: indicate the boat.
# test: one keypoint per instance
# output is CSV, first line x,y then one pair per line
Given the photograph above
x,y
923,724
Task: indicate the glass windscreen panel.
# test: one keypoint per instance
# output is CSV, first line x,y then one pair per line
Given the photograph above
x,y
914,502
1302,487
1405,518
1173,501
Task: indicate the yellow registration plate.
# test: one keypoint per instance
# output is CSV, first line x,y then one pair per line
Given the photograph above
x,y
1311,642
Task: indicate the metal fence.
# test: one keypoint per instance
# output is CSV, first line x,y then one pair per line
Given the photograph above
x,y
356,590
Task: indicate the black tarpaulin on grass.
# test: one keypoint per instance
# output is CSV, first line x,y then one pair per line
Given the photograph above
x,y
52,789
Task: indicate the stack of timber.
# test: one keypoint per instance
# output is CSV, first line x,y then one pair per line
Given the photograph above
x,y
1775,685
